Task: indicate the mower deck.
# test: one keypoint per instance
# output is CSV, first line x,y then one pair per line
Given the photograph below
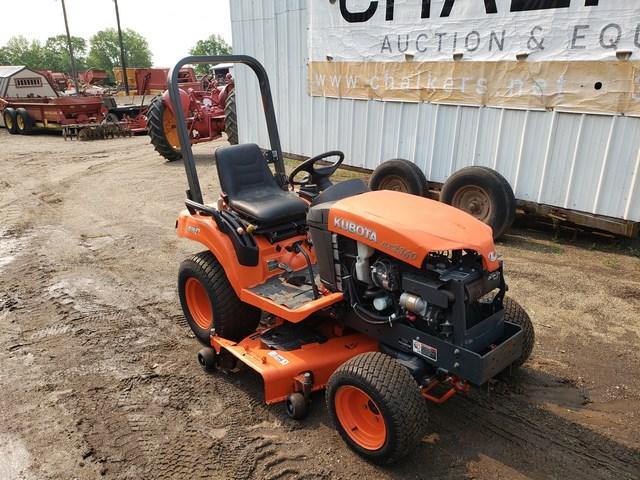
x,y
282,369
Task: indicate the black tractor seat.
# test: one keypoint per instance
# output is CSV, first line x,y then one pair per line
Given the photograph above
x,y
251,189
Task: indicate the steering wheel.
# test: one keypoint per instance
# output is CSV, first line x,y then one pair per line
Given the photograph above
x,y
317,175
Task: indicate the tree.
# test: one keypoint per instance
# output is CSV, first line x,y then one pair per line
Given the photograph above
x,y
105,50
56,53
213,45
18,51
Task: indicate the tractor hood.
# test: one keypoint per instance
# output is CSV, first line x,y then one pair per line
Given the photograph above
x,y
408,227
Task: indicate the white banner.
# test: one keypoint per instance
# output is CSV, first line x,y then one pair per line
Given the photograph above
x,y
581,55
497,30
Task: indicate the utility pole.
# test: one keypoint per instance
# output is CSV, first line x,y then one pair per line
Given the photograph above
x,y
74,73
122,56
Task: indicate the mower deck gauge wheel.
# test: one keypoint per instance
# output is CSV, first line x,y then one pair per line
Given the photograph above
x,y
297,406
207,358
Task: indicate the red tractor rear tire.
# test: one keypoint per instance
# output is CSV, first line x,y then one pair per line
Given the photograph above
x,y
157,125
231,119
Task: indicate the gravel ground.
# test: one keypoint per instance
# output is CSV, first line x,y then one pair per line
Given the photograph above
x,y
99,378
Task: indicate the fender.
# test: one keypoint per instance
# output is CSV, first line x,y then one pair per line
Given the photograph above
x,y
203,229
185,102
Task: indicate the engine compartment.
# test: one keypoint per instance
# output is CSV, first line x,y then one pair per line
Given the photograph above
x,y
445,315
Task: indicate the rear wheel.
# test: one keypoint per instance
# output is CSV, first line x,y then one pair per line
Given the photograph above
x,y
9,117
24,123
376,406
231,119
163,131
399,175
484,194
209,302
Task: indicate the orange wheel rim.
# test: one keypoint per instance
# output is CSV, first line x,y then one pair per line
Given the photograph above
x,y
170,128
360,417
198,303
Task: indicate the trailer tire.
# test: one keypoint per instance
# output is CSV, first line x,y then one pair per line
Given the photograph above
x,y
24,123
514,313
399,175
231,119
483,193
157,115
376,406
9,118
209,302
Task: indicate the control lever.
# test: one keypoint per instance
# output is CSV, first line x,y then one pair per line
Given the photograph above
x,y
296,248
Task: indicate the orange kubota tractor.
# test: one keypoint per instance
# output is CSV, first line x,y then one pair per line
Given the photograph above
x,y
383,299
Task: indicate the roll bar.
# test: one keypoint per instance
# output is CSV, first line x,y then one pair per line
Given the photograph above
x,y
195,193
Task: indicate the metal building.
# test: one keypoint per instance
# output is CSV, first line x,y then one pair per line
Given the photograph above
x,y
20,82
585,164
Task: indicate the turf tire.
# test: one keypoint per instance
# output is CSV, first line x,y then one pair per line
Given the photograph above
x,y
9,118
498,189
231,118
514,313
232,318
155,128
401,175
395,394
23,116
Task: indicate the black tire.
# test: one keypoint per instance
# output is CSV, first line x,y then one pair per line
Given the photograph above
x,y
232,318
155,128
231,119
399,175
207,358
297,406
514,313
483,193
395,396
112,118
24,123
9,118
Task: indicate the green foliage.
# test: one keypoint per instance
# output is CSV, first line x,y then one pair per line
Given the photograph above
x,y
213,45
105,50
19,51
56,53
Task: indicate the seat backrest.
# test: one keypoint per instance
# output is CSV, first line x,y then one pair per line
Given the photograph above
x,y
243,168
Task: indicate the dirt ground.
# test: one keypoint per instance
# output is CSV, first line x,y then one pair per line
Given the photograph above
x,y
99,378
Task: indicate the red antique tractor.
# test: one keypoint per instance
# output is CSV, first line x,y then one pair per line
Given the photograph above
x,y
209,111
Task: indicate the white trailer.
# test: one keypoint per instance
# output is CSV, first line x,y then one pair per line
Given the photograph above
x,y
575,155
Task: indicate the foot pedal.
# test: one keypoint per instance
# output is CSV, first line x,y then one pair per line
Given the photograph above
x,y
290,336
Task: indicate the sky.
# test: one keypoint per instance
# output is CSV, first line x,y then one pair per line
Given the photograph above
x,y
171,27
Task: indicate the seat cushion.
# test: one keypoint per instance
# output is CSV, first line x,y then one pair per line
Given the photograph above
x,y
269,207
251,189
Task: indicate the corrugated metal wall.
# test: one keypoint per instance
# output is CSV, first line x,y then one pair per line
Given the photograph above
x,y
581,162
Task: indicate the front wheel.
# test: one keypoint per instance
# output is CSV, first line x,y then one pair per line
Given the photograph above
x,y
209,302
514,313
376,407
